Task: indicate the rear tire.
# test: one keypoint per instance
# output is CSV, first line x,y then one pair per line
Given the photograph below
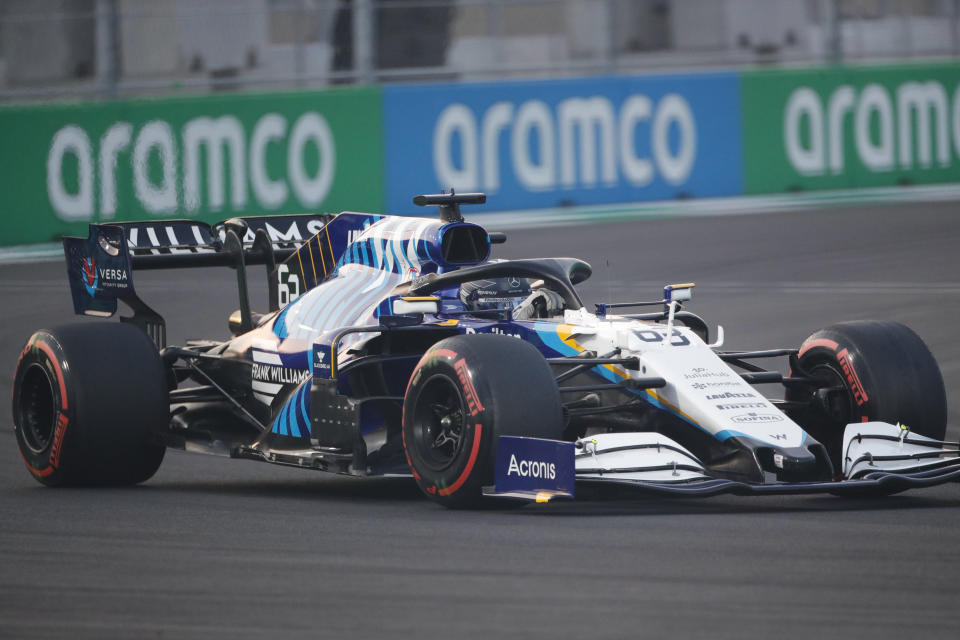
x,y
88,399
884,372
464,393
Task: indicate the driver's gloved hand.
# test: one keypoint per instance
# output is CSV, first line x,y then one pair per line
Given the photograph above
x,y
542,303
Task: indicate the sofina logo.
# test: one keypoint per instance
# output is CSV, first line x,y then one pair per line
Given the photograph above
x,y
582,142
167,165
912,126
90,277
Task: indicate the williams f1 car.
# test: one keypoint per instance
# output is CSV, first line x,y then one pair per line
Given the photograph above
x,y
396,346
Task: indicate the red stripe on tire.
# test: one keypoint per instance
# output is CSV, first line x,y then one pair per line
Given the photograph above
x,y
474,452
819,342
56,366
37,472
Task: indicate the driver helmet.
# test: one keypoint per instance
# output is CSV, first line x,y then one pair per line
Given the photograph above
x,y
494,293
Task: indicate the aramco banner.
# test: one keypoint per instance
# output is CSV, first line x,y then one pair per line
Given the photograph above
x,y
851,127
207,158
549,143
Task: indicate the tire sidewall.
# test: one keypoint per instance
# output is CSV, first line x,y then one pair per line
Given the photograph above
x,y
888,373
109,397
43,350
829,349
472,465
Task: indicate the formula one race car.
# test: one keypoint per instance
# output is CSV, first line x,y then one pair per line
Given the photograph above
x,y
395,346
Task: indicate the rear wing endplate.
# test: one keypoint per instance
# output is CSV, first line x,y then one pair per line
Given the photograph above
x,y
100,267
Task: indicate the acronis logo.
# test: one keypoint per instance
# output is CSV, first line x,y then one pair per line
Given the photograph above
x,y
532,468
90,276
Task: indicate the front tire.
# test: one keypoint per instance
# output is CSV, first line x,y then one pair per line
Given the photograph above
x,y
87,399
869,371
464,393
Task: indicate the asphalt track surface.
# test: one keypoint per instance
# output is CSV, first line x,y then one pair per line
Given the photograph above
x,y
218,548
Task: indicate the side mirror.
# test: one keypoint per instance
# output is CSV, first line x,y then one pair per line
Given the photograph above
x,y
408,305
678,292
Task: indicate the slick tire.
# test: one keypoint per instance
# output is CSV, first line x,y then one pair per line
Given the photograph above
x,y
881,371
87,399
464,393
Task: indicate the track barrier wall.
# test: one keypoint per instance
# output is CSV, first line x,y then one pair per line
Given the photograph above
x,y
551,143
212,157
542,143
851,127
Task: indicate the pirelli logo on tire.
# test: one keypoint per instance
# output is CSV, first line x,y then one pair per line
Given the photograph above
x,y
856,387
463,373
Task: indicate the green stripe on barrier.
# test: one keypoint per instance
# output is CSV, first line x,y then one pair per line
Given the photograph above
x,y
210,157
851,127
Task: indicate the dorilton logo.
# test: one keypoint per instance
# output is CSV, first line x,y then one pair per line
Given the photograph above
x,y
532,468
580,131
168,165
497,330
913,127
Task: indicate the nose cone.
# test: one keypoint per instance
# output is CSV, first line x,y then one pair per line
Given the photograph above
x,y
809,463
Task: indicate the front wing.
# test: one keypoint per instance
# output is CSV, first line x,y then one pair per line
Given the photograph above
x,y
879,458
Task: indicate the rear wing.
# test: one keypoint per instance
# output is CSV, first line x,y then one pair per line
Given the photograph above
x,y
100,267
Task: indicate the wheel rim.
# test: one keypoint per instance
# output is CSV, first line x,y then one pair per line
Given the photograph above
x,y
838,405
439,422
36,410
832,409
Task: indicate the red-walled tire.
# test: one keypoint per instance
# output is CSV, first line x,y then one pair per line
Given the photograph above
x,y
465,392
87,400
883,371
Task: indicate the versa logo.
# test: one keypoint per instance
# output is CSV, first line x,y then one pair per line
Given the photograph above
x,y
532,468
90,277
